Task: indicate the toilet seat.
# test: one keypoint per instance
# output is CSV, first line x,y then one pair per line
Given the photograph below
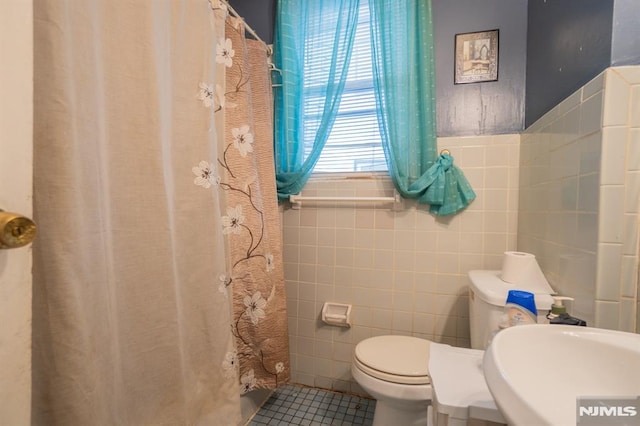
x,y
396,359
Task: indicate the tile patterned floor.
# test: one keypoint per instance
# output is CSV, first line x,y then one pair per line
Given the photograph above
x,y
299,405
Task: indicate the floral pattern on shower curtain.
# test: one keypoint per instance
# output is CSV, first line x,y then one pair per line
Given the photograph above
x,y
131,323
246,174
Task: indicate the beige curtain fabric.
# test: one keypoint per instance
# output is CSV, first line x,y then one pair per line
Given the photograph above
x,y
131,315
251,219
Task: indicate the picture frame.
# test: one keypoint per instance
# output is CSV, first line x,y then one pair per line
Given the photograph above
x,y
476,57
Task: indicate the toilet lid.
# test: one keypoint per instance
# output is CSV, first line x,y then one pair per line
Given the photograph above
x,y
398,359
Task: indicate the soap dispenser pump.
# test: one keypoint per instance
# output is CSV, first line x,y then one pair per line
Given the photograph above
x,y
557,307
559,315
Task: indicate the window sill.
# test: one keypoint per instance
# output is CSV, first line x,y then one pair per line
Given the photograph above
x,y
328,176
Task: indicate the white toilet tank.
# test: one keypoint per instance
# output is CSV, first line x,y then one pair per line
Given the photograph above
x,y
487,297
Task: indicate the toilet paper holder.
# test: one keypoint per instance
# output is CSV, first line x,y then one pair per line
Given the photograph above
x,y
338,314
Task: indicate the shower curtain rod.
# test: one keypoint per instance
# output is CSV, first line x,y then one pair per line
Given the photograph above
x,y
247,26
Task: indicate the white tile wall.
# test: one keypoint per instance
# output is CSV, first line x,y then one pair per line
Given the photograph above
x,y
569,186
579,197
403,271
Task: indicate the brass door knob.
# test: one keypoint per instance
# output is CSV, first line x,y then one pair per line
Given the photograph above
x,y
15,230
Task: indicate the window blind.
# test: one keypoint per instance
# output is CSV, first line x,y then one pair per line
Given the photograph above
x,y
354,144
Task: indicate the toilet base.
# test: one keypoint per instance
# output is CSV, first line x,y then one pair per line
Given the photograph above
x,y
396,404
414,414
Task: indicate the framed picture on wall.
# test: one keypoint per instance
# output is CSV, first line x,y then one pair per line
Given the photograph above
x,y
476,57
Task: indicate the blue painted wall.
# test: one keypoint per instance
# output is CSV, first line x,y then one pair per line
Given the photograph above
x,y
625,45
488,107
548,49
468,109
259,14
568,43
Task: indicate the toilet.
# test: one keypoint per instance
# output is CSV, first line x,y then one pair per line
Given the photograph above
x,y
394,369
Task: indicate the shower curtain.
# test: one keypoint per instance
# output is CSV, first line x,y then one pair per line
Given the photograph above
x,y
251,221
131,321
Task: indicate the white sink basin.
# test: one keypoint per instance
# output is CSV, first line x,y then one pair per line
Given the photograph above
x,y
536,372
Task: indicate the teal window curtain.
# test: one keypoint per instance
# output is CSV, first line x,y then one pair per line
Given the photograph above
x,y
404,83
299,25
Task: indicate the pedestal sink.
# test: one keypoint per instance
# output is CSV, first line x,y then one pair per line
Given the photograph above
x,y
536,373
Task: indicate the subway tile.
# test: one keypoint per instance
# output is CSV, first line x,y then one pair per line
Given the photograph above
x,y
424,323
587,232
345,217
291,235
364,238
404,240
326,256
325,275
614,152
446,326
590,148
384,219
470,156
343,276
629,276
402,301
607,314
381,318
496,178
631,73
630,240
365,218
569,126
381,298
496,155
426,241
363,258
308,217
448,263
633,150
326,218
588,193
308,236
616,100
326,237
306,291
425,303
626,320
632,192
322,366
405,220
383,259
343,352
591,112
610,223
382,279
403,260
403,281
594,86
495,221
384,239
608,272
324,293
308,254
345,237
634,110
402,322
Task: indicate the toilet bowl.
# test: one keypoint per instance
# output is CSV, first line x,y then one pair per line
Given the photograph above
x,y
393,370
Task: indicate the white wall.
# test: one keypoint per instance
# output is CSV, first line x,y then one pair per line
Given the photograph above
x,y
405,272
580,195
16,122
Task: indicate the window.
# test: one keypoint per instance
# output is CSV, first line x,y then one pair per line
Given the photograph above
x,y
354,144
